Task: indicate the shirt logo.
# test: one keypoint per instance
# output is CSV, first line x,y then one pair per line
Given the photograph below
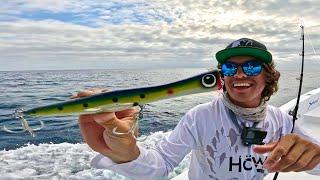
x,y
247,164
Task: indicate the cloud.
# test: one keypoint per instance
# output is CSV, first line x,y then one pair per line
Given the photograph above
x,y
159,33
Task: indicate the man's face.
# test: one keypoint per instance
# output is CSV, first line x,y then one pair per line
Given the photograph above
x,y
244,90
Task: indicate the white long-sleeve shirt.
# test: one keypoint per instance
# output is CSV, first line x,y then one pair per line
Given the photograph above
x,y
215,144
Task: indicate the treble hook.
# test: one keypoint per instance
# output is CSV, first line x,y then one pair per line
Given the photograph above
x,y
132,129
18,114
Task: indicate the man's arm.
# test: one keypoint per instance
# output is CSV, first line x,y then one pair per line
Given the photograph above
x,y
158,161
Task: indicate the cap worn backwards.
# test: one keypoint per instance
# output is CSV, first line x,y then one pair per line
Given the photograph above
x,y
245,47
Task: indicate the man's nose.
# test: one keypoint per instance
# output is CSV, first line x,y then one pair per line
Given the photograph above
x,y
240,74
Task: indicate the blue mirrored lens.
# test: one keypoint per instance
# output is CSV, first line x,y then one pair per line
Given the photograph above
x,y
252,68
229,69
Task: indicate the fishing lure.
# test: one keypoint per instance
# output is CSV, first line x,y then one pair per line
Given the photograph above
x,y
117,100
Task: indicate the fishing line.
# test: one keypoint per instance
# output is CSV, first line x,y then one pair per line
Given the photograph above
x,y
314,51
305,32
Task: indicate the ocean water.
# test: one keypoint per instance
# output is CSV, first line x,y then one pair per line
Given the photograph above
x,y
58,152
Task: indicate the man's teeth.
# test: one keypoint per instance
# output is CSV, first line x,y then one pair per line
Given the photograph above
x,y
241,85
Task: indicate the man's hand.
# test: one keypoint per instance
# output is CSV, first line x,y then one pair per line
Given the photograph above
x,y
96,130
290,153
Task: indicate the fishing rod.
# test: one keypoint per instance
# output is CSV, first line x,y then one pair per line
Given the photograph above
x,y
294,113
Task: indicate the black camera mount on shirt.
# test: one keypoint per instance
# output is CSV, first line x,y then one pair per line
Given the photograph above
x,y
252,135
249,135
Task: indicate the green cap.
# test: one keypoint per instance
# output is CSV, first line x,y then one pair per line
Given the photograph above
x,y
245,47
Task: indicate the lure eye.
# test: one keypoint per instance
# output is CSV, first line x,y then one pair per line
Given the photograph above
x,y
208,80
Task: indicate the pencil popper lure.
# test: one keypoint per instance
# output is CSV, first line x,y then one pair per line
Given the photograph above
x,y
118,100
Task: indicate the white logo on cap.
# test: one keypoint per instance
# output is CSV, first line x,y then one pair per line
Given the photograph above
x,y
235,44
242,42
249,42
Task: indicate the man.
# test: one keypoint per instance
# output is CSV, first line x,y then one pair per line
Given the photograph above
x,y
222,134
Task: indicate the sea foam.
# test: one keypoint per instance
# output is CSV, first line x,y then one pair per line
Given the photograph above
x,y
64,161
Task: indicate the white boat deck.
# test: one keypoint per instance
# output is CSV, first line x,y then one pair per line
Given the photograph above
x,y
313,115
311,122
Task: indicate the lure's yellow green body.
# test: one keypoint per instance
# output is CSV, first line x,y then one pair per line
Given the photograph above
x,y
123,99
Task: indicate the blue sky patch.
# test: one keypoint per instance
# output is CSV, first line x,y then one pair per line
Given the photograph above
x,y
97,15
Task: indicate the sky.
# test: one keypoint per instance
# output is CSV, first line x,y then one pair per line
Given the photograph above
x,y
144,34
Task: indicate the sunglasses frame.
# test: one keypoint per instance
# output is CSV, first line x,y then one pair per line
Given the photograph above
x,y
249,72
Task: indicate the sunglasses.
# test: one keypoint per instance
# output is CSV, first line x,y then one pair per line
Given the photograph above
x,y
250,68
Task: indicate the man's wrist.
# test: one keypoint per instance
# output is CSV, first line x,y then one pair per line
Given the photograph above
x,y
119,159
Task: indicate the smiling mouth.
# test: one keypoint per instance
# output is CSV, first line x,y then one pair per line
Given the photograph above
x,y
241,85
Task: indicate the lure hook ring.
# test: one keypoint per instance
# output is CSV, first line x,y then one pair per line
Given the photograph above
x,y
132,129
